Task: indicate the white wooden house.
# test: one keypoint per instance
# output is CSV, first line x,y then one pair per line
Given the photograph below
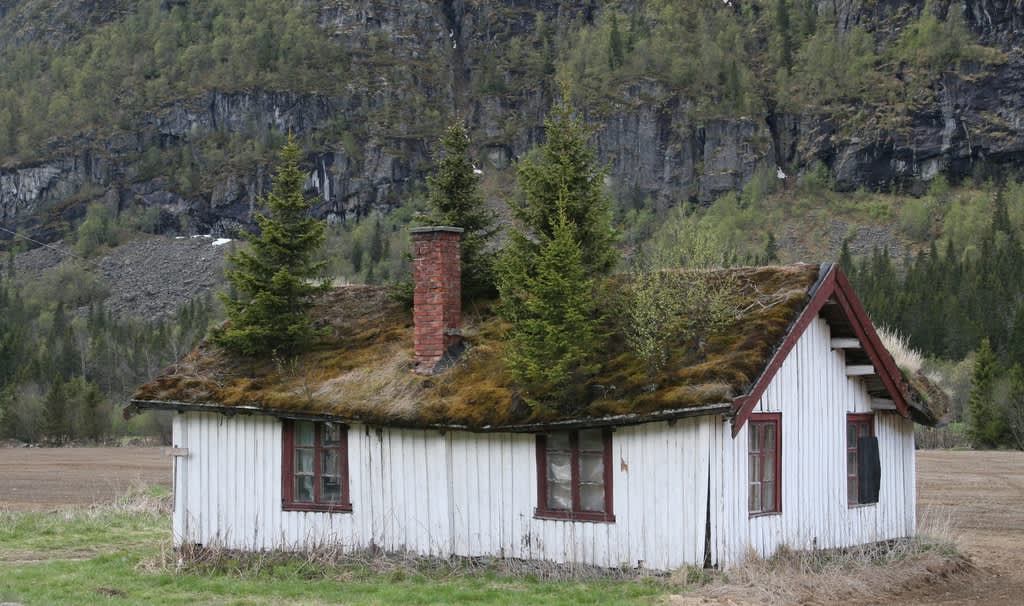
x,y
795,428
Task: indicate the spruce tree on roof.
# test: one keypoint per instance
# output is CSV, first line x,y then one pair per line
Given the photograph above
x,y
276,279
547,271
565,165
455,200
549,300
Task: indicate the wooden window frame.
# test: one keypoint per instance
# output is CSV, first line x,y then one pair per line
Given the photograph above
x,y
860,418
766,418
575,514
288,502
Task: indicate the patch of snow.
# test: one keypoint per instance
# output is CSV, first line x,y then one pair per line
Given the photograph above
x,y
221,241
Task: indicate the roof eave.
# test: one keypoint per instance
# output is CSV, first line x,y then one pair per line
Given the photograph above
x,y
724,408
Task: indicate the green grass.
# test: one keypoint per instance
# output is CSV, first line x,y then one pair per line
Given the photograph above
x,y
121,555
76,533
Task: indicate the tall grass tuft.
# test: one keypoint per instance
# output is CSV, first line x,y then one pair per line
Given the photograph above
x,y
866,573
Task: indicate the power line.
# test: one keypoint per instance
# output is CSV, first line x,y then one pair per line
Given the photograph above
x,y
53,248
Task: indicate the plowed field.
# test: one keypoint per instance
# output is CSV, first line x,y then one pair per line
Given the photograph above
x,y
45,478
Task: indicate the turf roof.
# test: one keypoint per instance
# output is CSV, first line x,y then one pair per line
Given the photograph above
x,y
363,370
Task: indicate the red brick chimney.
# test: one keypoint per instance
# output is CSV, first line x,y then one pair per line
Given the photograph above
x,y
437,295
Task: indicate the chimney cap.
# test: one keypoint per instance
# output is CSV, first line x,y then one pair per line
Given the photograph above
x,y
436,228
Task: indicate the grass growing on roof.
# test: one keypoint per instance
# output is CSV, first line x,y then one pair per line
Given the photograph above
x,y
363,370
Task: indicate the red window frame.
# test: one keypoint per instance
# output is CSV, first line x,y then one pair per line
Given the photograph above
x,y
576,513
756,425
288,501
862,422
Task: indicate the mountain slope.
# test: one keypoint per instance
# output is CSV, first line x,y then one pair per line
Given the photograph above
x,y
179,105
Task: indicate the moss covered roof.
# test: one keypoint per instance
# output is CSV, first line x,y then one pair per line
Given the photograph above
x,y
362,371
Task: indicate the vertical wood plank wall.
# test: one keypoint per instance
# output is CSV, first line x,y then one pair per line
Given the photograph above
x,y
447,493
814,396
461,493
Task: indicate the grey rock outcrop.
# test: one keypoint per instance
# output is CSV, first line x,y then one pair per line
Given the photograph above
x,y
440,64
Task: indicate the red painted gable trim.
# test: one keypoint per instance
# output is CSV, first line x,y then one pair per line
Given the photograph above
x,y
834,285
880,357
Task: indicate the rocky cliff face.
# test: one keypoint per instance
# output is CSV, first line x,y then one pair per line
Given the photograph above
x,y
417,63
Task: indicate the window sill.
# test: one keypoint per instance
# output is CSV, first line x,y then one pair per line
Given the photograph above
x,y
860,505
764,514
314,507
573,516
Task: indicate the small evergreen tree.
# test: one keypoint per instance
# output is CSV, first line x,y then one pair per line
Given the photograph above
x,y
376,241
771,250
94,421
616,53
553,332
784,31
55,408
846,259
984,425
1000,212
546,273
455,200
1015,407
275,282
564,166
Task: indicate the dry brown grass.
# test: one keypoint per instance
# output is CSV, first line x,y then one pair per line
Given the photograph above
x,y
926,392
863,574
908,359
336,562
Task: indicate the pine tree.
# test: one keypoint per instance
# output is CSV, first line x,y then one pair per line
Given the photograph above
x,y
1000,213
554,333
94,419
846,259
616,53
1015,353
565,166
275,281
1015,407
357,256
455,200
984,425
55,409
376,241
785,34
771,250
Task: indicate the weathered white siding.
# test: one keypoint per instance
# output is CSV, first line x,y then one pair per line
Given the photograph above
x,y
461,493
814,395
447,493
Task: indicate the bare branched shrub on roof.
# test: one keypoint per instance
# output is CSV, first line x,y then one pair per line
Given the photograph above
x,y
665,307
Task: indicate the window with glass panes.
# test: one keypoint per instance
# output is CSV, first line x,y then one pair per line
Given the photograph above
x,y
315,467
574,475
857,426
764,493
